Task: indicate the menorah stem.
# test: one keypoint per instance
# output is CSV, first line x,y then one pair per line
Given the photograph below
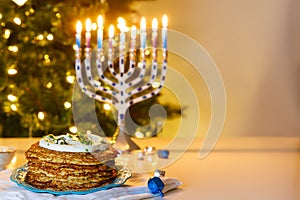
x,y
122,140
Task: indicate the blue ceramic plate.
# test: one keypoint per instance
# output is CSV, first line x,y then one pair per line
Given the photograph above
x,y
18,176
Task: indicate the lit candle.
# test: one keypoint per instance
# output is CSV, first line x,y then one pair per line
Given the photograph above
x,y
88,27
132,42
154,32
133,37
133,32
100,31
78,33
122,27
143,32
111,31
164,31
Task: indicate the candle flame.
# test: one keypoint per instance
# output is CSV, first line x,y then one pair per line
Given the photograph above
x,y
78,27
133,28
41,115
100,21
122,24
111,30
143,23
154,24
88,24
165,21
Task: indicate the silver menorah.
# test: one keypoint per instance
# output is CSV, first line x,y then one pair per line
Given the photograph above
x,y
128,85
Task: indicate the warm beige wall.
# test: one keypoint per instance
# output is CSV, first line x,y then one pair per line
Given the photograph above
x,y
256,45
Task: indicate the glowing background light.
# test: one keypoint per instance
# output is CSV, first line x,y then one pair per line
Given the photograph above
x,y
19,2
13,107
70,79
41,116
73,129
49,85
6,34
17,21
67,105
50,37
106,106
13,48
40,37
155,84
11,97
12,71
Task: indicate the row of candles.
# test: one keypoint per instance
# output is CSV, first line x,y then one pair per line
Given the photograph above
x,y
123,29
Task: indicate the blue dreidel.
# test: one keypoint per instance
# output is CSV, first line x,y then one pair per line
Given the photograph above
x,y
163,154
156,185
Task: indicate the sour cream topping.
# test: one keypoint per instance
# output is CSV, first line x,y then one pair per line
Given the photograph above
x,y
74,143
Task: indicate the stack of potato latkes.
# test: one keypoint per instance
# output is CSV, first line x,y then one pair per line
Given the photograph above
x,y
61,171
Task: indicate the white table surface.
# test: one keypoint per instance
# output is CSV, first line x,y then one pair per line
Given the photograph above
x,y
245,168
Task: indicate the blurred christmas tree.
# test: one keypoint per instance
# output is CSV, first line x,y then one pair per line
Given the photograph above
x,y
37,59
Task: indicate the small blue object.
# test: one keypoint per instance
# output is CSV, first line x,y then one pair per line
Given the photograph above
x,y
156,185
163,154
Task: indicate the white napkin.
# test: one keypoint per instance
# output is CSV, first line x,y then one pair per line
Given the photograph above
x,y
10,191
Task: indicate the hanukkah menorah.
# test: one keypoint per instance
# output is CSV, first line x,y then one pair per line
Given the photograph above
x,y
127,81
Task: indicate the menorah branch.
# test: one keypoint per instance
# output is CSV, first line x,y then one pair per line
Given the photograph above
x,y
84,87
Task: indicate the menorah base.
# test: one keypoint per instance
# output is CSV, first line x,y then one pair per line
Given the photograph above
x,y
123,141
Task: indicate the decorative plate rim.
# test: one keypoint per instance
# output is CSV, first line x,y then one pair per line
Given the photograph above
x,y
18,177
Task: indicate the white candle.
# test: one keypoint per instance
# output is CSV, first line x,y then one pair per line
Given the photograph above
x,y
78,34
132,42
133,32
143,32
122,27
164,31
154,32
133,37
88,27
100,31
111,31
